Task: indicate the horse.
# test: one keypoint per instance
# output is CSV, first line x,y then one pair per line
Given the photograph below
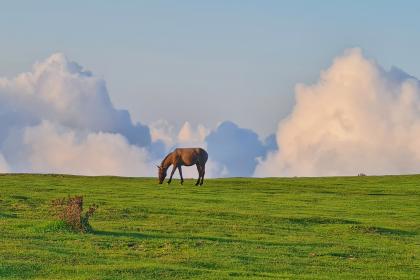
x,y
187,157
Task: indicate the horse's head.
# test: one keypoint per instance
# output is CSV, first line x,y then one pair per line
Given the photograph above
x,y
161,174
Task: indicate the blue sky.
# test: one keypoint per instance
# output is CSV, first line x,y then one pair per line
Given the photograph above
x,y
208,61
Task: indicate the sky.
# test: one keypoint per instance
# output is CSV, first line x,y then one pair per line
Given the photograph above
x,y
207,61
102,87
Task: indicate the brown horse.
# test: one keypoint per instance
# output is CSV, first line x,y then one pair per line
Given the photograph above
x,y
187,157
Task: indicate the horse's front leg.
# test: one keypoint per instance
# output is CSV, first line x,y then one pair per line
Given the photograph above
x,y
180,174
172,174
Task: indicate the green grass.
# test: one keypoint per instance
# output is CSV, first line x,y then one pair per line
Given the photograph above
x,y
295,228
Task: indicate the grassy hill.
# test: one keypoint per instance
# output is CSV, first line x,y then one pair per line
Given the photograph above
x,y
296,228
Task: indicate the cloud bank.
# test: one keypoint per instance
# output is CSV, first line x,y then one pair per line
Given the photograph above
x,y
59,118
356,118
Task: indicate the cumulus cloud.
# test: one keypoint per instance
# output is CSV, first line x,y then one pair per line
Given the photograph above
x,y
356,118
62,91
59,118
163,131
54,149
189,136
236,149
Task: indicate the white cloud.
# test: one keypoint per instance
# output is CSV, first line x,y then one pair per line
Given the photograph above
x,y
357,118
236,149
188,136
59,118
162,130
54,149
62,91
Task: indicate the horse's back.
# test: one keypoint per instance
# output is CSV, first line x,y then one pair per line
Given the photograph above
x,y
191,150
192,155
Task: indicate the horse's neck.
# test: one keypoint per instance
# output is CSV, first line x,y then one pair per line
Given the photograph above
x,y
167,161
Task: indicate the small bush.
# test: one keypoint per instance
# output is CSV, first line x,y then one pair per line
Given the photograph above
x,y
70,211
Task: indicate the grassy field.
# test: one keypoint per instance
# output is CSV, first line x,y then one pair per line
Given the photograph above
x,y
295,228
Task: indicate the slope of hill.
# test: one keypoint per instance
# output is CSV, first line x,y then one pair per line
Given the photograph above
x,y
305,228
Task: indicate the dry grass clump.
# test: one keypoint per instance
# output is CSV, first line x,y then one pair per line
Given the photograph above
x,y
70,211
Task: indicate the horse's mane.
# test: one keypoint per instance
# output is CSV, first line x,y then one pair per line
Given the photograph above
x,y
165,159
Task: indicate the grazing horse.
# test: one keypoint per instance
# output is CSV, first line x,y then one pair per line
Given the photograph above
x,y
187,157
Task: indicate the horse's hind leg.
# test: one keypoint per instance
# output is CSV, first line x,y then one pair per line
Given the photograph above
x,y
203,171
199,174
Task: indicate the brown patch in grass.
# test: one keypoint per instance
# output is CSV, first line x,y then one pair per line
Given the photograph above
x,y
70,211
